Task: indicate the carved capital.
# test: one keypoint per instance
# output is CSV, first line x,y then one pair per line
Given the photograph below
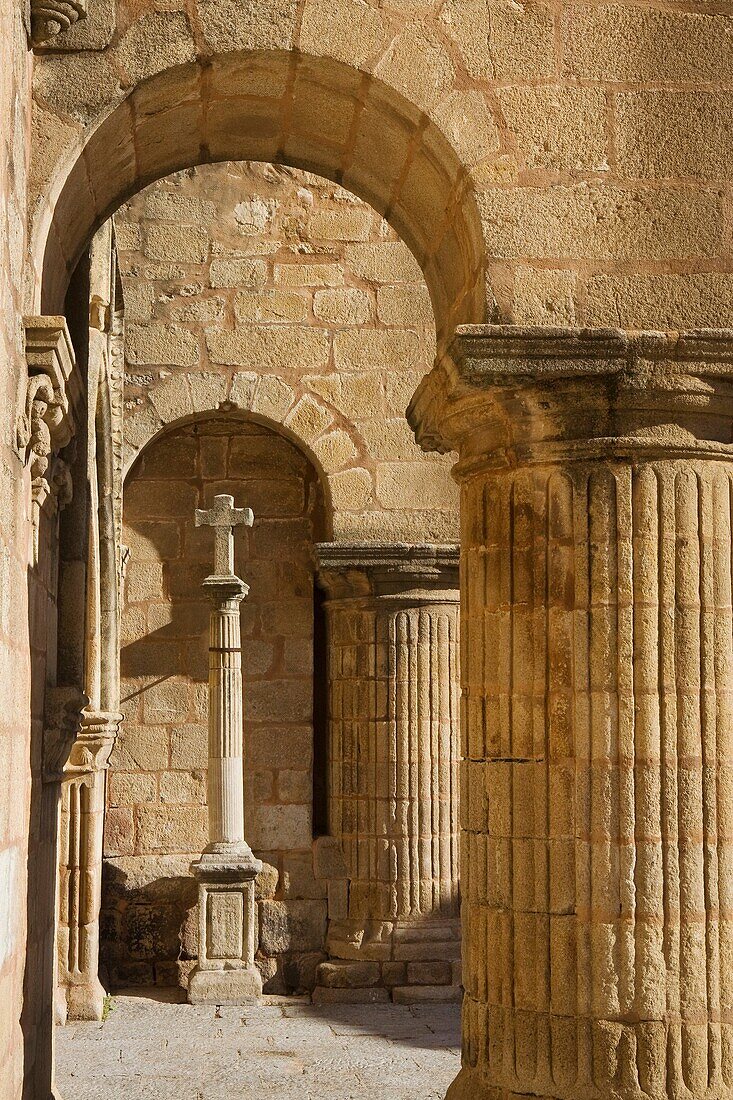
x,y
93,743
45,424
513,395
397,571
64,707
50,17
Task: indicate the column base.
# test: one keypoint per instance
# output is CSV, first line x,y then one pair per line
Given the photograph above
x,y
85,1001
225,987
469,1085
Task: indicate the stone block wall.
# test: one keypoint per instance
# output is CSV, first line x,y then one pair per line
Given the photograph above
x,y
288,297
267,296
156,818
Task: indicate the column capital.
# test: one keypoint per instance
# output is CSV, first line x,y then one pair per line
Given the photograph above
x,y
392,571
222,589
512,395
98,730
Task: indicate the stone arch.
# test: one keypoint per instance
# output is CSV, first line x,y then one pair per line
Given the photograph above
x,y
279,105
306,419
148,900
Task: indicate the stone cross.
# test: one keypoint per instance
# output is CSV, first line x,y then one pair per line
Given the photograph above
x,y
225,972
224,517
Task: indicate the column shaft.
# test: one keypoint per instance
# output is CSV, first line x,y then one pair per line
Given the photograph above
x,y
599,694
597,634
225,779
393,758
80,866
226,971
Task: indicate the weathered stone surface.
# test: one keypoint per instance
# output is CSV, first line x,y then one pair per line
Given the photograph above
x,y
351,996
554,164
291,926
426,994
347,975
362,1051
553,403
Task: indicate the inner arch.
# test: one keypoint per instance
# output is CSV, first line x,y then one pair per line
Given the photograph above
x,y
289,108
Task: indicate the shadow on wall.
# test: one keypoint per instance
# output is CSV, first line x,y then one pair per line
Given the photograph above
x,y
149,933
156,817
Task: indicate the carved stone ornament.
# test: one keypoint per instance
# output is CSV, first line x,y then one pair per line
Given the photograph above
x,y
50,17
64,712
93,742
45,424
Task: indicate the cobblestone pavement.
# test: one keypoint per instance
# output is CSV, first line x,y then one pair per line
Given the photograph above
x,y
154,1049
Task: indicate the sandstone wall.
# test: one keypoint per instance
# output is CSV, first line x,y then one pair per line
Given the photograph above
x,y
15,658
156,819
581,149
276,297
287,296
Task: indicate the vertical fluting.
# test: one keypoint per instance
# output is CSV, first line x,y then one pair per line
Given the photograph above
x,y
80,866
598,695
596,469
225,776
393,662
393,746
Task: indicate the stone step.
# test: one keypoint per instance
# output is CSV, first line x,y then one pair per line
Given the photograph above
x,y
426,994
345,974
365,995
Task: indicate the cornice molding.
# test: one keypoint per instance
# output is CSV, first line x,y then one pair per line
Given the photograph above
x,y
511,394
358,570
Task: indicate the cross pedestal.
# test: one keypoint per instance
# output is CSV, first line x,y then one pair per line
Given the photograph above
x,y
226,972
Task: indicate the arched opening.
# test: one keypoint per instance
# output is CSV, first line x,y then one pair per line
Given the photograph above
x,y
283,107
156,802
392,155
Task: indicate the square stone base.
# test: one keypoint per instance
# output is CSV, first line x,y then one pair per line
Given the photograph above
x,y
225,987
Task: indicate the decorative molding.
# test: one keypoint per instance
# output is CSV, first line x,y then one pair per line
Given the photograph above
x,y
358,570
50,17
64,712
93,743
509,393
46,423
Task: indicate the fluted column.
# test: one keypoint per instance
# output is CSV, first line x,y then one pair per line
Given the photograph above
x,y
393,751
597,782
225,776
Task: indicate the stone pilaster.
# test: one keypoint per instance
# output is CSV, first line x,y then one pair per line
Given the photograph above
x,y
226,971
597,666
393,768
80,866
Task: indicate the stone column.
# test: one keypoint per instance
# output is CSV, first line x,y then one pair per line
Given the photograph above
x,y
597,664
393,770
89,652
226,971
80,866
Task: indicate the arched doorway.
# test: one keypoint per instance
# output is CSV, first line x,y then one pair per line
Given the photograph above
x,y
310,112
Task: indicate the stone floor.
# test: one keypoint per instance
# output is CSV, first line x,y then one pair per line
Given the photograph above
x,y
150,1047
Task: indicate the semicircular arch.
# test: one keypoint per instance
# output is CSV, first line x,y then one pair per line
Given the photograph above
x,y
305,419
282,106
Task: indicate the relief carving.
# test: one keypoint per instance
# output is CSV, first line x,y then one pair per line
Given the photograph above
x,y
51,17
45,424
